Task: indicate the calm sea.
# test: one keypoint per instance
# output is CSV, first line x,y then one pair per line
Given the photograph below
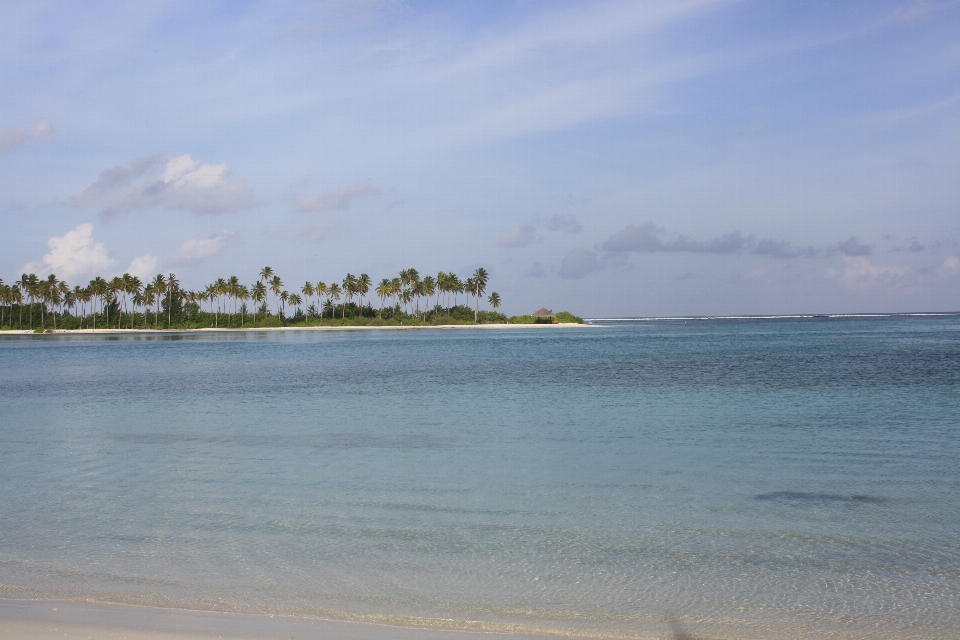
x,y
735,478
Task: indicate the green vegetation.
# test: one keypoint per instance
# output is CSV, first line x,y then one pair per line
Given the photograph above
x,y
562,317
124,302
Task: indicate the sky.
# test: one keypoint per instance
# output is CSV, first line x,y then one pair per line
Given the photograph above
x,y
616,159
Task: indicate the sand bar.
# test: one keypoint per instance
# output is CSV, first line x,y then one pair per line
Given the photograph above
x,y
560,325
49,619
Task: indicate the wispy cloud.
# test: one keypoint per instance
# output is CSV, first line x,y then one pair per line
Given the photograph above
x,y
199,249
519,236
14,138
650,238
177,184
526,234
73,254
337,200
585,25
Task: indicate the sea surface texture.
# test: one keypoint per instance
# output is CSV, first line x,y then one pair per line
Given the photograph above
x,y
710,478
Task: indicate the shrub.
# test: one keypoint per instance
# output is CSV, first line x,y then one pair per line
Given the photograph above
x,y
522,320
566,316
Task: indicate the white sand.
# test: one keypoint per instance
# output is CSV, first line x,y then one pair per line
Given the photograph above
x,y
560,325
49,620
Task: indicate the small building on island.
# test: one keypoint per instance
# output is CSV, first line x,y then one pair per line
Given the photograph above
x,y
543,315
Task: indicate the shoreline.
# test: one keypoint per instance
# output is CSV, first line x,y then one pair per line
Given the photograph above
x,y
27,332
25,619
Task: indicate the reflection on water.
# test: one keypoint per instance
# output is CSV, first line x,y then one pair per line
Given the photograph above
x,y
778,478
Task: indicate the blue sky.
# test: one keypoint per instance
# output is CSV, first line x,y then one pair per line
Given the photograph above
x,y
615,159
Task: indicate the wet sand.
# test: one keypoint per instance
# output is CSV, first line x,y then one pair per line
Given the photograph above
x,y
46,620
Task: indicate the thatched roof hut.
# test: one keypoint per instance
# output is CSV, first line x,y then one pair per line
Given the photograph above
x,y
543,312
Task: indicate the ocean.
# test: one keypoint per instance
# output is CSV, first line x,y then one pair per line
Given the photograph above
x,y
754,477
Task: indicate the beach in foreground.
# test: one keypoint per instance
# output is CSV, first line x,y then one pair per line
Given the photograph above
x,y
51,619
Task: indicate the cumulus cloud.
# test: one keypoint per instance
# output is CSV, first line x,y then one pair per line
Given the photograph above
x,y
177,184
198,249
143,266
337,200
16,137
519,236
579,263
73,254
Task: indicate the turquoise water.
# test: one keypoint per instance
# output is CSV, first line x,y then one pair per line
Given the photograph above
x,y
749,478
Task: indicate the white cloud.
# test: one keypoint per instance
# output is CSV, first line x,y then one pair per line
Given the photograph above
x,y
198,249
72,254
14,138
337,200
178,184
859,270
143,267
519,236
950,266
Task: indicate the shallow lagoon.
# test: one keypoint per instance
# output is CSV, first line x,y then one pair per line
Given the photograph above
x,y
749,477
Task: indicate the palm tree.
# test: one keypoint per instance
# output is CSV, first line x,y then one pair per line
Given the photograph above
x,y
295,301
98,289
233,288
276,285
16,295
220,289
244,294
494,300
321,290
383,291
363,288
29,284
258,294
307,290
479,286
3,300
396,284
429,288
349,289
115,287
51,294
284,296
335,295
266,274
173,287
82,296
160,288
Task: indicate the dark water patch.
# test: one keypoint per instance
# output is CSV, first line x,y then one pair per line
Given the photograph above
x,y
807,497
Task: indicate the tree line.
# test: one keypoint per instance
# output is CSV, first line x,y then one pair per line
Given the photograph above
x,y
124,298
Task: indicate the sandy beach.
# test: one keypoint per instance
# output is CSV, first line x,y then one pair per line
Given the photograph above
x,y
46,620
561,325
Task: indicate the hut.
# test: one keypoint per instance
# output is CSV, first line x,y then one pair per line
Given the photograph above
x,y
543,315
